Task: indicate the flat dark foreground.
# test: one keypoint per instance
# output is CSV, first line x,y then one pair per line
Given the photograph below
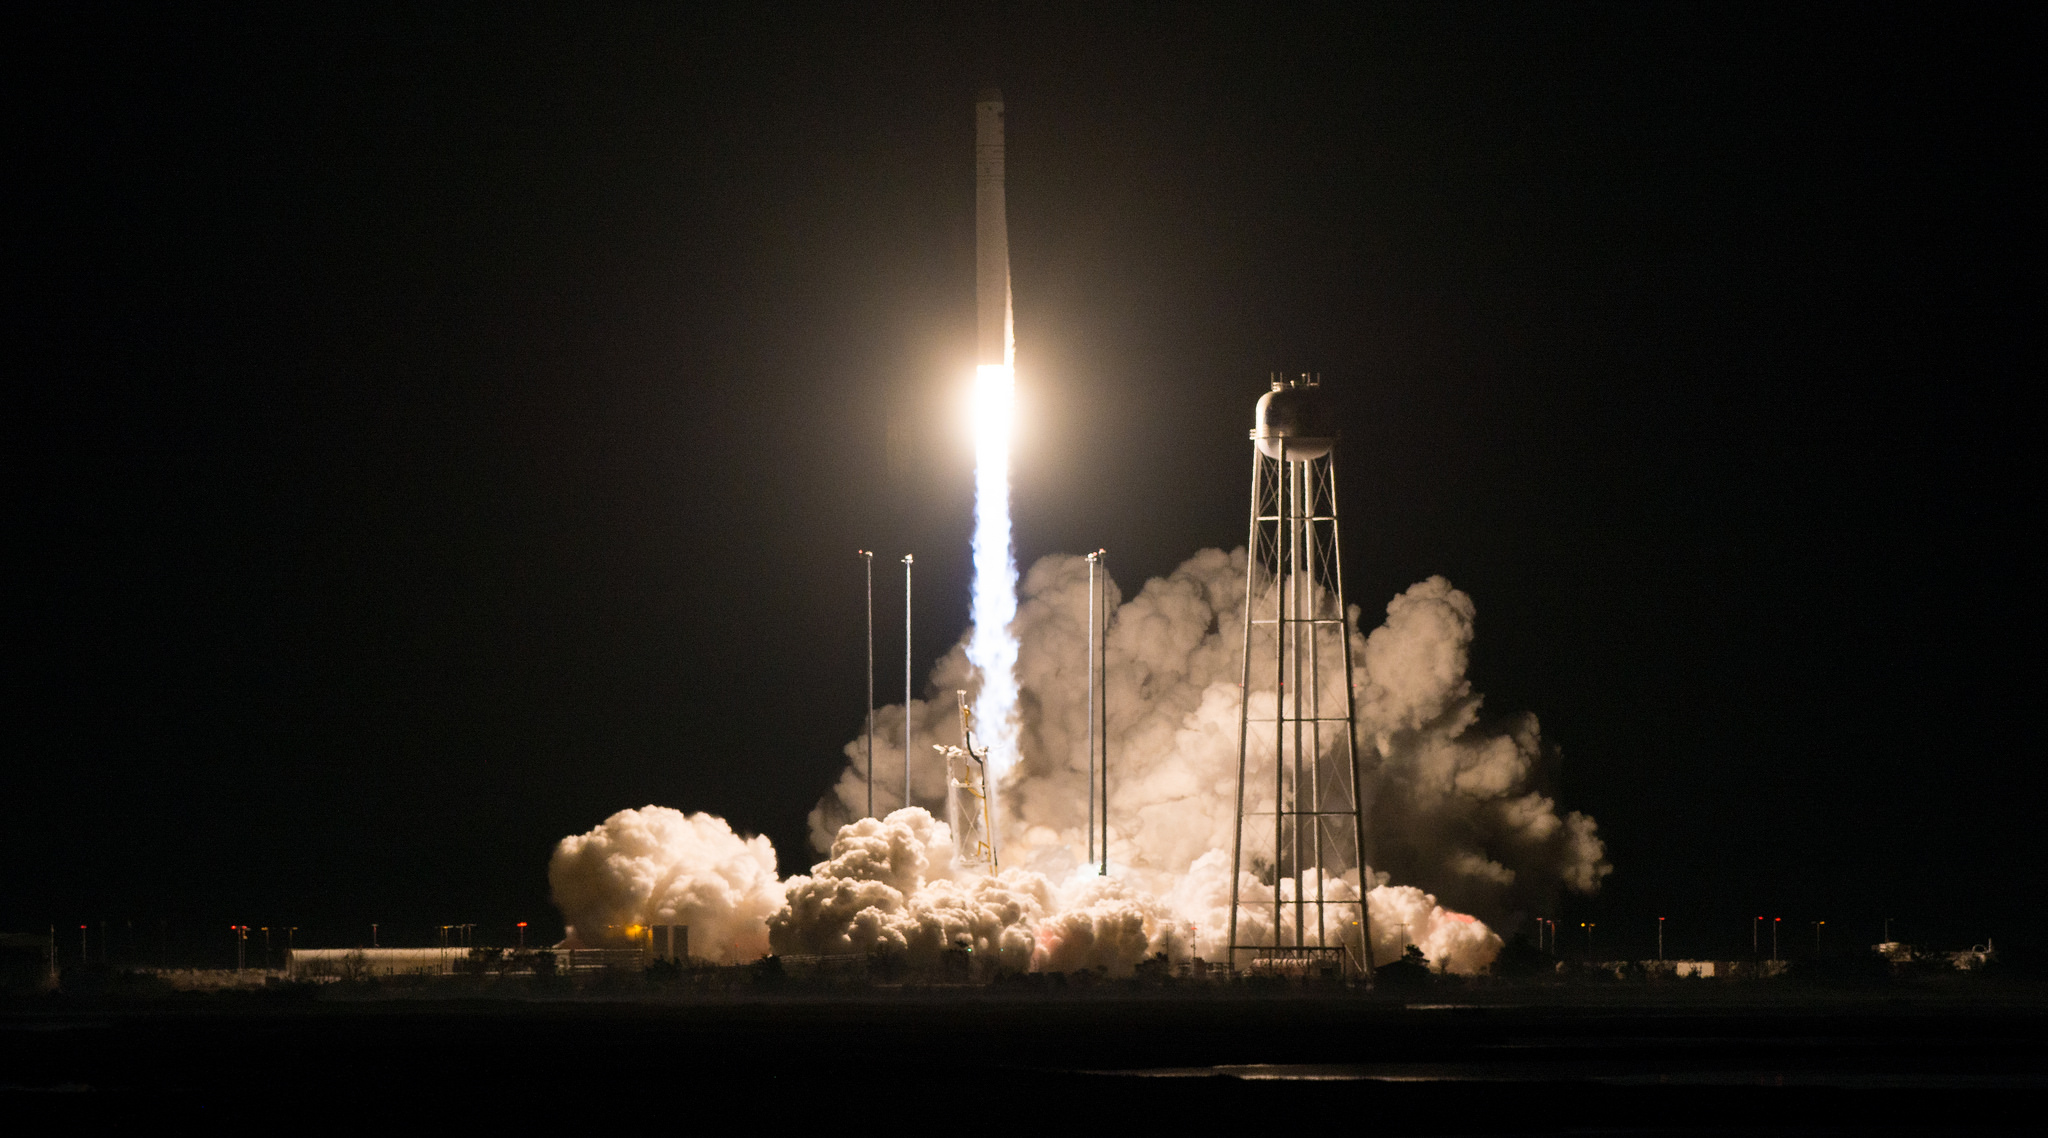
x,y
987,1062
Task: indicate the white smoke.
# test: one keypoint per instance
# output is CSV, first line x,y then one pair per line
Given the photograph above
x,y
1400,915
1462,835
889,886
1455,807
1458,809
657,866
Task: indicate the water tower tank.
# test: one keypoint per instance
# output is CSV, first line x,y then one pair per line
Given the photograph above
x,y
1296,412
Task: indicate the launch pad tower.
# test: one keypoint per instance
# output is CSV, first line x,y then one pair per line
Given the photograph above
x,y
967,805
1300,806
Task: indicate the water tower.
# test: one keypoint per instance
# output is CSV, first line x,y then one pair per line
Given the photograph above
x,y
1300,813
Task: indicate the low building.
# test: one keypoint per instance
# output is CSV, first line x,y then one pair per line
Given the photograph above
x,y
363,963
455,960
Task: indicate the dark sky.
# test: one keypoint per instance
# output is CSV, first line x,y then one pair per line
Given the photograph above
x,y
429,431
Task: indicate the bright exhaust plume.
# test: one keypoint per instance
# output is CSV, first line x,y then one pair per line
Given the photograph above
x,y
992,643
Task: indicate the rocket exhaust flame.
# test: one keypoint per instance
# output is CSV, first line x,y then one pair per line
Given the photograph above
x,y
992,650
993,647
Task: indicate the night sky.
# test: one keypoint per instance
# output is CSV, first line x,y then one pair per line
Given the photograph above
x,y
431,430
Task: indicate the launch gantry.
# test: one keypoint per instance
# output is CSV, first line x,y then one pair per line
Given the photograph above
x,y
967,800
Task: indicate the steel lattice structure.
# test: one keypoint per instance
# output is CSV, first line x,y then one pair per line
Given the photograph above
x,y
1311,832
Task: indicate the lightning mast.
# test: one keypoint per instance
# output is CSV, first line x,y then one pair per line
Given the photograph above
x,y
908,561
867,557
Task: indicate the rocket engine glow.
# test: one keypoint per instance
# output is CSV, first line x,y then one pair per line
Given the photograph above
x,y
992,649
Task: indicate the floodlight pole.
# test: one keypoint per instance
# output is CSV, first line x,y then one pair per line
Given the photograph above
x,y
867,557
1091,707
1102,708
907,559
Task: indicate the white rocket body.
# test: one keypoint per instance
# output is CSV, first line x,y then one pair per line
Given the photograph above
x,y
994,343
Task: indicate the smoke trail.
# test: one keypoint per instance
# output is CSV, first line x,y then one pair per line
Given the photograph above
x,y
992,647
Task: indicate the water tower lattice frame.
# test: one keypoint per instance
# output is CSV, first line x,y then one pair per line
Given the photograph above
x,y
1294,592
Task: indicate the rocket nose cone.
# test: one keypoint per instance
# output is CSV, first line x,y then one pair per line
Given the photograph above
x,y
989,95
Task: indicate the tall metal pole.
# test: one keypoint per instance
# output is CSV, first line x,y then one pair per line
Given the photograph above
x,y
867,557
907,558
1365,882
1280,582
1091,708
1244,702
1311,724
1298,477
1102,708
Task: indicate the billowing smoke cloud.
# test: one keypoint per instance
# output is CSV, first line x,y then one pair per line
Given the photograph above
x,y
1462,835
1455,805
1401,915
889,885
654,866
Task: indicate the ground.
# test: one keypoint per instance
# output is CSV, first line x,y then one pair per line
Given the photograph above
x,y
1686,1062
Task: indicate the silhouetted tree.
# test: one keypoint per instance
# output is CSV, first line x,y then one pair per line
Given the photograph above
x,y
1411,971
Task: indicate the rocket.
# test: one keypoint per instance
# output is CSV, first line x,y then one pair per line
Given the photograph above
x,y
994,342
